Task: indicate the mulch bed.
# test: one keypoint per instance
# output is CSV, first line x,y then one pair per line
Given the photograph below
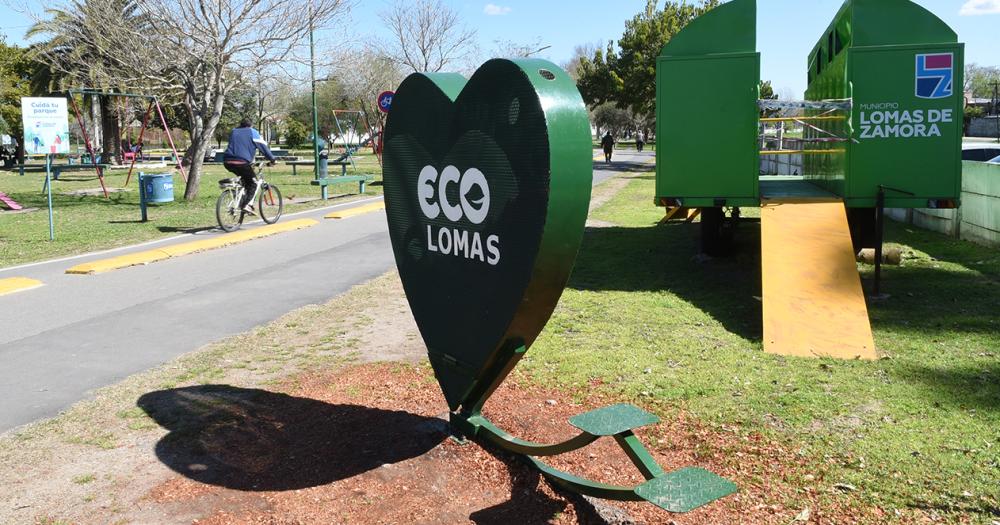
x,y
367,444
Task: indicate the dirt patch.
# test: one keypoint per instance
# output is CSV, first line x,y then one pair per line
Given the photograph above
x,y
600,195
367,444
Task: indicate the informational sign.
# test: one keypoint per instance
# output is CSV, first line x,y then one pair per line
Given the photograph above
x,y
385,101
46,125
487,183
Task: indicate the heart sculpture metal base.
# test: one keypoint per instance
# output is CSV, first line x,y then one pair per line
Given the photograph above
x,y
679,491
487,186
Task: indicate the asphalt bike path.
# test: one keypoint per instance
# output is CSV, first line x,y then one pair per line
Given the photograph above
x,y
78,333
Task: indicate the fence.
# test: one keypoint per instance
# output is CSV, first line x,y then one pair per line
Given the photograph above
x,y
978,220
984,127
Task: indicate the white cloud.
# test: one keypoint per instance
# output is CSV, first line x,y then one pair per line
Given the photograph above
x,y
980,7
498,10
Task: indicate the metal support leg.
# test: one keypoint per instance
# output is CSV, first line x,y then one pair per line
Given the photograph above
x,y
879,238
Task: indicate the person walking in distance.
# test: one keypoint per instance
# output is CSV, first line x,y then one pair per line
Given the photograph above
x,y
244,142
640,141
608,144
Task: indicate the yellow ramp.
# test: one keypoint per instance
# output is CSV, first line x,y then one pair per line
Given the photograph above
x,y
813,302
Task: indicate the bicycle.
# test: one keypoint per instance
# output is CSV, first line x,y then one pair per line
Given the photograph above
x,y
228,211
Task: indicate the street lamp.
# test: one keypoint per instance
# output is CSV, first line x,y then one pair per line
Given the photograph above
x,y
312,76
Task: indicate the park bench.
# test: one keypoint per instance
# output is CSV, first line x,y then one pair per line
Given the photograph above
x,y
342,163
59,168
360,179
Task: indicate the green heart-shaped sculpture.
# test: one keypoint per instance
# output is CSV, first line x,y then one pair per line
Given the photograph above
x,y
487,184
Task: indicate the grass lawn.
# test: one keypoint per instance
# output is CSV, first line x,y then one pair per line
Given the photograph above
x,y
918,429
90,222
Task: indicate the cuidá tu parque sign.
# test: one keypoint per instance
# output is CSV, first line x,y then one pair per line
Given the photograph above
x,y
46,125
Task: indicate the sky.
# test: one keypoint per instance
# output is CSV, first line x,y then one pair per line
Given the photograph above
x,y
787,29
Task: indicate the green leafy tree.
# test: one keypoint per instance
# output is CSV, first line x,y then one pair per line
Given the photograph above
x,y
625,72
296,133
16,69
608,117
330,95
979,80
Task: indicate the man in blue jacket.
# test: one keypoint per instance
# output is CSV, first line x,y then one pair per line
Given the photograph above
x,y
244,142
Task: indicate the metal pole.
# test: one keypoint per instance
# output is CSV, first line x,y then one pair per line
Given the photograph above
x,y
163,120
879,237
86,141
142,133
48,185
312,76
996,109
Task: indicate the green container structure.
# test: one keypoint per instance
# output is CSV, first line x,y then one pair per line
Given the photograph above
x,y
902,68
707,80
896,69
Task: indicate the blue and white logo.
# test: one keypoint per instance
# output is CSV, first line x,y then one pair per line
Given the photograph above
x,y
935,75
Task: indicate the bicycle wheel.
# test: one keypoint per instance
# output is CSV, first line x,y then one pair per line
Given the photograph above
x,y
269,203
227,210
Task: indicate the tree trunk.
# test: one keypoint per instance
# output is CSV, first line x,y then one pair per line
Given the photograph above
x,y
110,144
202,130
95,118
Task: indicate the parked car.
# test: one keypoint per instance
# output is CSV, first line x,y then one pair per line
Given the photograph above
x,y
980,151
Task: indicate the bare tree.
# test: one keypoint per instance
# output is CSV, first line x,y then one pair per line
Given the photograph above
x,y
511,49
364,76
581,51
198,51
427,36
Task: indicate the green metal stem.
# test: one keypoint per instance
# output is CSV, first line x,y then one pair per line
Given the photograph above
x,y
505,361
510,443
640,457
478,426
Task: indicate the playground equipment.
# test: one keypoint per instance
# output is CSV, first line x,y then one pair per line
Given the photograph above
x,y
351,132
883,125
151,103
10,203
487,185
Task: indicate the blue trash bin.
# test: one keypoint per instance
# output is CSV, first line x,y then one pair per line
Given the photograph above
x,y
155,188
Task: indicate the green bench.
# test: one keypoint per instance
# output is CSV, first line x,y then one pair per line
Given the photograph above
x,y
296,163
360,179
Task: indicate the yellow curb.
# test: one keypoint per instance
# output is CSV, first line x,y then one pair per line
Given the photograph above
x,y
122,261
360,210
150,256
18,284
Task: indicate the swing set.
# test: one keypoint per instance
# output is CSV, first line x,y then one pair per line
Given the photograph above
x,y
151,103
354,118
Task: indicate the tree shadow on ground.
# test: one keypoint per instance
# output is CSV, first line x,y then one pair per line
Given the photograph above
x,y
665,258
186,229
621,166
956,291
255,440
967,386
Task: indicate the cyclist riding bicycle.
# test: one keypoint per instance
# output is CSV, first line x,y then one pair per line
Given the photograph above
x,y
244,142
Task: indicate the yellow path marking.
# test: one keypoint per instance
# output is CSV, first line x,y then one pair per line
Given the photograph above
x,y
18,284
814,305
177,250
358,210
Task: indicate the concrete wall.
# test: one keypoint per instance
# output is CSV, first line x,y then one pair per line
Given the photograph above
x,y
978,220
983,127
